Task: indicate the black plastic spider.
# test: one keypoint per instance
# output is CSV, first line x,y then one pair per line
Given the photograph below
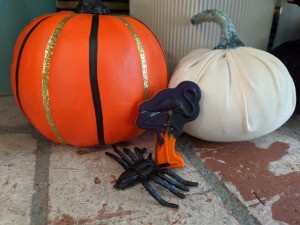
x,y
139,169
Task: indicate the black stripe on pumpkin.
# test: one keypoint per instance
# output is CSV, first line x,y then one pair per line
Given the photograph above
x,y
19,61
93,53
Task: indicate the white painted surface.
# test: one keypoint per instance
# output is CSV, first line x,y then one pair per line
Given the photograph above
x,y
170,21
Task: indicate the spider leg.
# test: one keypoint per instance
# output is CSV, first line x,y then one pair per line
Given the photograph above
x,y
157,197
123,163
149,158
168,186
140,152
127,179
159,166
178,178
130,154
172,182
116,150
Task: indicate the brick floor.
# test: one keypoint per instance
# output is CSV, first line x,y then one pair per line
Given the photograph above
x,y
264,174
17,163
252,182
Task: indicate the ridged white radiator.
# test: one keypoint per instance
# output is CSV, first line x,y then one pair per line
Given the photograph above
x,y
170,21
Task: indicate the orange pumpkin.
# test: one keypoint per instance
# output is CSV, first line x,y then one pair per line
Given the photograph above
x,y
79,78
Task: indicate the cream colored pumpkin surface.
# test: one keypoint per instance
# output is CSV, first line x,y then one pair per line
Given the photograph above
x,y
246,92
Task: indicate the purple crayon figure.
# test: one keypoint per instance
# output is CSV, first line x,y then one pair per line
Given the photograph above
x,y
166,113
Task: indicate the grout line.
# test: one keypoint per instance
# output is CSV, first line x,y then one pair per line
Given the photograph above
x,y
39,206
239,211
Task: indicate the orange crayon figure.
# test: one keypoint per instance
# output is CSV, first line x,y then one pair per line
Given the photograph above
x,y
166,113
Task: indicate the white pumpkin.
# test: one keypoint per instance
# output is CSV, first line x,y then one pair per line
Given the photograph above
x,y
246,92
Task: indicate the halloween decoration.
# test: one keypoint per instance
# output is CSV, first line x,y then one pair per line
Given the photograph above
x,y
80,77
289,54
92,7
246,92
144,170
166,113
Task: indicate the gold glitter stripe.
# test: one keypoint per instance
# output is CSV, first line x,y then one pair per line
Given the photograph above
x,y
142,57
46,72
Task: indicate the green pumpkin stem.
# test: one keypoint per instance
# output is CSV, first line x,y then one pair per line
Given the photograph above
x,y
229,38
92,7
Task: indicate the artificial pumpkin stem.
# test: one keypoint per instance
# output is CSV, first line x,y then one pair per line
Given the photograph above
x,y
229,38
92,7
166,153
